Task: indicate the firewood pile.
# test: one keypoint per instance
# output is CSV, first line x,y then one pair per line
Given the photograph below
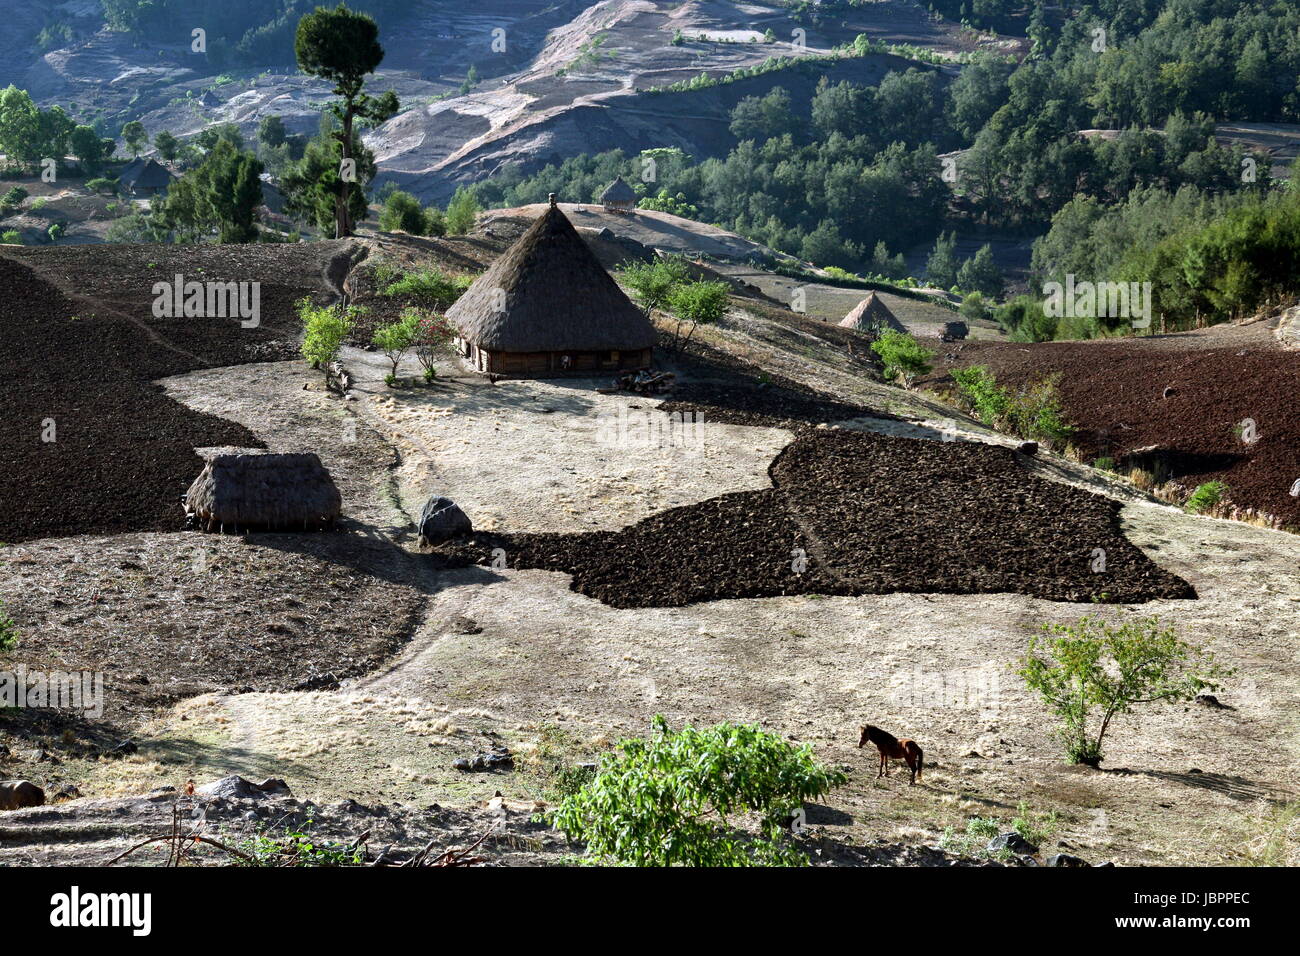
x,y
643,382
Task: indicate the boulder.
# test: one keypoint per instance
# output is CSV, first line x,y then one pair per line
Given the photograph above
x,y
236,787
498,758
18,794
1011,841
1065,859
441,520
1028,448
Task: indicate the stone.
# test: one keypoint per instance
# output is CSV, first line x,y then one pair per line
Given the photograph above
x,y
498,758
19,794
1028,448
236,787
1011,841
441,519
1065,859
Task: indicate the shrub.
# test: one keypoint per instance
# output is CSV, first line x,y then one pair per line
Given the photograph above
x,y
325,328
901,355
668,800
14,196
429,287
1207,497
433,335
56,231
653,282
1090,672
402,211
398,338
11,238
695,304
102,185
461,212
8,631
1034,411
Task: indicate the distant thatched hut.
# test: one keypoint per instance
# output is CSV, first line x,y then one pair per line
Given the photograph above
x,y
145,177
548,308
872,314
954,331
263,493
618,196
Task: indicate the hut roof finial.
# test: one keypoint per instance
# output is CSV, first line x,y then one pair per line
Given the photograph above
x,y
552,198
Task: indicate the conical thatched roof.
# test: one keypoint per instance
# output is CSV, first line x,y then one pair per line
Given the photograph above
x,y
618,191
548,293
869,313
270,492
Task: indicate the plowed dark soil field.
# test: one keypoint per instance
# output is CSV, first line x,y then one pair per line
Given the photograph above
x,y
860,513
79,351
1191,402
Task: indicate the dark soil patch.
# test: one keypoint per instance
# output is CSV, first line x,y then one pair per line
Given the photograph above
x,y
873,515
1116,394
80,348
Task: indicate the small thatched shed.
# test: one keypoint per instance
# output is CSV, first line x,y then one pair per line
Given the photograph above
x,y
145,177
954,331
265,493
547,308
871,314
618,196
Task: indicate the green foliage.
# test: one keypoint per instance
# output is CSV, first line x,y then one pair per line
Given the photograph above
x,y
652,283
669,800
168,146
324,330
134,136
981,274
294,849
8,631
398,338
433,336
28,133
11,237
313,187
221,195
1033,411
461,212
901,355
1207,497
402,211
342,46
941,268
431,288
1090,672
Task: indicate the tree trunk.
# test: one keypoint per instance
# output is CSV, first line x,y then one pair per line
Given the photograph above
x,y
343,205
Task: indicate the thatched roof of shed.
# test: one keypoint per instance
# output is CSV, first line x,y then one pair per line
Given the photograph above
x,y
871,312
549,293
145,174
618,191
275,492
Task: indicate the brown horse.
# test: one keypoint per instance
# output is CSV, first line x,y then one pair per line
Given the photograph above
x,y
891,748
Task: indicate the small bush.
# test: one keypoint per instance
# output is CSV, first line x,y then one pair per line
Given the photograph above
x,y
902,355
396,339
434,333
669,800
14,196
1034,411
402,211
1207,497
325,329
429,287
11,238
1090,672
8,631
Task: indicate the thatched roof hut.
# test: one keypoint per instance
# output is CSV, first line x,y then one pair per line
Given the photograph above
x,y
263,492
548,307
870,314
145,177
618,196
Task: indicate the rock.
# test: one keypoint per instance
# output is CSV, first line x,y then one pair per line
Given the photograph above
x,y
124,749
1011,841
1209,700
236,787
4,752
441,520
1028,448
1065,859
18,794
464,625
1169,392
66,792
1107,863
498,758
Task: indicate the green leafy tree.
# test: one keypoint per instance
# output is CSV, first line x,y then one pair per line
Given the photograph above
x,y
398,338
1091,672
342,46
695,304
652,283
20,125
670,800
313,185
221,195
901,355
271,132
941,268
462,212
981,274
325,329
168,146
86,144
134,136
402,211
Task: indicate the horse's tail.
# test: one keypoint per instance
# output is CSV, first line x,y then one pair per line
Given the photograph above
x,y
919,761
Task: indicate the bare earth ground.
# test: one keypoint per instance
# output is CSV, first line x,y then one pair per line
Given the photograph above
x,y
515,657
